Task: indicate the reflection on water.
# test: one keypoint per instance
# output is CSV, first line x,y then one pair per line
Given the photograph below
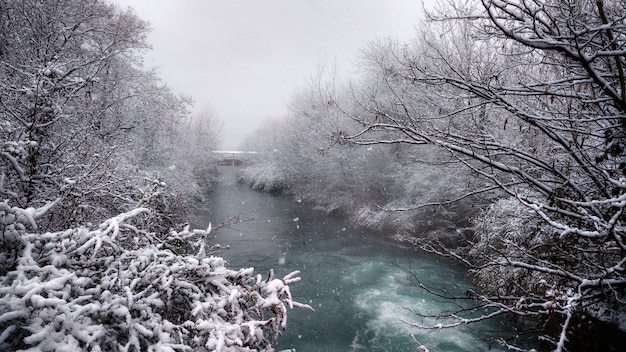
x,y
347,275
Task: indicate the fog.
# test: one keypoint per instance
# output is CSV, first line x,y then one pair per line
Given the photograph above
x,y
243,60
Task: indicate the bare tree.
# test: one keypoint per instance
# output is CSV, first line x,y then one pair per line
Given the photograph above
x,y
529,96
58,94
80,116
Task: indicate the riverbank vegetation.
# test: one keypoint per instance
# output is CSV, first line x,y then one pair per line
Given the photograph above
x,y
99,162
504,116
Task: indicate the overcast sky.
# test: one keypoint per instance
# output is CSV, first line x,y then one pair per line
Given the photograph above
x,y
243,59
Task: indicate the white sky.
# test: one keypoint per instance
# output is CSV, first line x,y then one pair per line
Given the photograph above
x,y
244,59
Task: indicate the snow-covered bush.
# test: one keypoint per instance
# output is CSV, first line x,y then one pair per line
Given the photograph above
x,y
266,177
117,287
167,207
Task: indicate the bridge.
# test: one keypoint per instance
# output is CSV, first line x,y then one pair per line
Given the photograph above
x,y
233,157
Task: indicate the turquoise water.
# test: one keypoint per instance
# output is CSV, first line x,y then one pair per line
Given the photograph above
x,y
348,276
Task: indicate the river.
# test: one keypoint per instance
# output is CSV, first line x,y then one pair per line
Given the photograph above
x,y
348,275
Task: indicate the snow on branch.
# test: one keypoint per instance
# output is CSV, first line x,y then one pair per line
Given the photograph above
x,y
110,289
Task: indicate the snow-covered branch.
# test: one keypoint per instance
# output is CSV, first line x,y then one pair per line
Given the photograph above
x,y
108,288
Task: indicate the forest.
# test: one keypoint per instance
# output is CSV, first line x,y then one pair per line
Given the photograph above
x,y
495,137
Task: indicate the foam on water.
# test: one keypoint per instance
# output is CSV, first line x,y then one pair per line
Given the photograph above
x,y
390,306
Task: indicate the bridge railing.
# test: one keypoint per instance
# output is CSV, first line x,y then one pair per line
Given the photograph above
x,y
233,157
